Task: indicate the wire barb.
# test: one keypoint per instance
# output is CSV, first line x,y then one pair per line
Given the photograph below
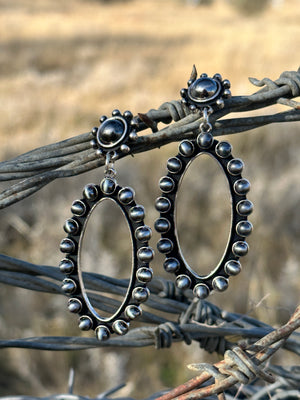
x,y
199,321
37,168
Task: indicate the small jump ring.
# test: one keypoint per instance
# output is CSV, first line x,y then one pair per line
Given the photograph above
x,y
111,156
110,172
209,110
205,114
205,127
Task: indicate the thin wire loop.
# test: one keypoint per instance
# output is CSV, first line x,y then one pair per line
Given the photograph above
x,y
109,170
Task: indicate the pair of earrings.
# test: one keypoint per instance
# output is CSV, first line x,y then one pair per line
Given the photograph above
x,y
114,135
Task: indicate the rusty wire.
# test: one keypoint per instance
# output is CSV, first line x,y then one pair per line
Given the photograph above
x,y
243,368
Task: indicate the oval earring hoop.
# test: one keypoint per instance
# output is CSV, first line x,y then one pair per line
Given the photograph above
x,y
205,95
124,197
169,245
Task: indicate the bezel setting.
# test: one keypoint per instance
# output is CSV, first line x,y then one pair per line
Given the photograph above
x,y
204,92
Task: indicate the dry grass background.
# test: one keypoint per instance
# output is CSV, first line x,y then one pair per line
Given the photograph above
x,y
62,64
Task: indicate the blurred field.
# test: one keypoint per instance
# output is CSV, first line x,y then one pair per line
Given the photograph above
x,y
62,65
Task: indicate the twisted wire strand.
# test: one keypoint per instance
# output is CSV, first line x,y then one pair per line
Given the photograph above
x,y
74,156
197,320
238,366
200,321
279,390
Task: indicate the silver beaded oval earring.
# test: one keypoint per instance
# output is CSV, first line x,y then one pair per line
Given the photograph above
x,y
204,94
111,137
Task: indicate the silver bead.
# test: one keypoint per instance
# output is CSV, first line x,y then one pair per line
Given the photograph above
x,y
102,333
78,208
226,84
165,245
244,228
137,213
244,207
174,165
223,149
217,76
126,195
189,82
201,291
203,75
144,274
183,282
66,266
220,283
143,233
120,327
166,184
171,265
108,185
99,153
71,226
227,94
145,254
220,103
125,149
162,204
233,267
133,311
85,323
240,249
134,123
186,148
93,144
183,92
74,306
133,136
94,131
116,113
140,294
205,140
67,246
193,108
68,286
90,192
127,114
235,166
103,118
241,187
162,225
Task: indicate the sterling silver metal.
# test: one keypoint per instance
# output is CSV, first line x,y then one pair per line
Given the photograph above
x,y
175,263
204,94
114,133
110,137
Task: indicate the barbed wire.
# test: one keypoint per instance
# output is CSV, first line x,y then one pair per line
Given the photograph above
x,y
180,318
74,156
198,320
171,315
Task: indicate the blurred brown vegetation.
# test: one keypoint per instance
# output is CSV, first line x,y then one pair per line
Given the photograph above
x,y
62,65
